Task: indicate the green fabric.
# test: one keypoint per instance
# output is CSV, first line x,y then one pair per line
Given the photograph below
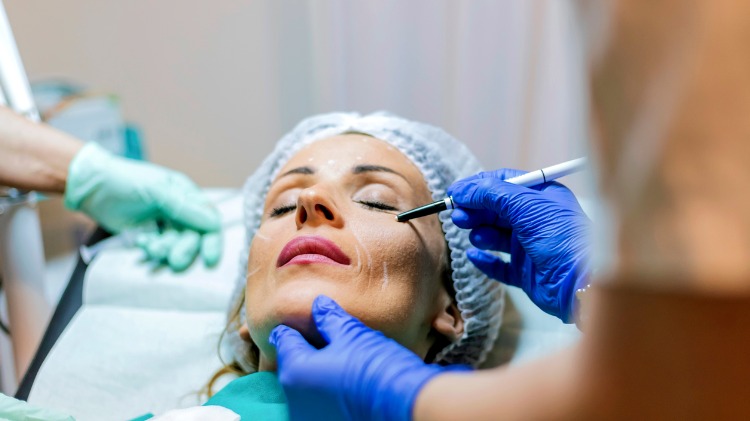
x,y
255,396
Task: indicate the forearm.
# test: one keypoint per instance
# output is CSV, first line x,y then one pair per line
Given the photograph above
x,y
539,390
34,156
646,354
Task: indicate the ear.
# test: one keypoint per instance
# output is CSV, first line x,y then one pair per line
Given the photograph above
x,y
244,332
448,321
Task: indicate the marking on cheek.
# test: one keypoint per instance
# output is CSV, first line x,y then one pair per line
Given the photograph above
x,y
261,236
359,259
331,161
359,158
385,276
310,159
251,273
367,253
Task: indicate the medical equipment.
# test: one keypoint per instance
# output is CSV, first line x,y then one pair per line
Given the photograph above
x,y
529,179
21,251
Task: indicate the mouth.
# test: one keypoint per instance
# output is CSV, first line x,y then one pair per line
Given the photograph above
x,y
309,249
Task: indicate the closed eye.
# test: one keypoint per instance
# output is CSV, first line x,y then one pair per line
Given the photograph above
x,y
376,205
281,210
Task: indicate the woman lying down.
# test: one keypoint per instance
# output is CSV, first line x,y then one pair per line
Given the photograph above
x,y
319,215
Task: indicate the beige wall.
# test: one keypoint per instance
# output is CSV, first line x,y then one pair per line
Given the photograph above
x,y
214,84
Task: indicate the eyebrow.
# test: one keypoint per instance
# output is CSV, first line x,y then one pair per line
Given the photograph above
x,y
359,169
298,170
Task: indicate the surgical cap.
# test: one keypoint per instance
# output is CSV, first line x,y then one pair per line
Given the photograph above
x,y
441,160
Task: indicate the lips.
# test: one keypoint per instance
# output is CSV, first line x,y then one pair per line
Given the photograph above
x,y
309,249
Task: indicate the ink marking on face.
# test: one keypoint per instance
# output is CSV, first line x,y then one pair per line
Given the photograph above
x,y
310,159
359,158
331,161
367,253
251,273
385,276
261,236
359,260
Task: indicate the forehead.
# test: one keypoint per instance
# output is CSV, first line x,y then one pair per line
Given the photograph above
x,y
342,152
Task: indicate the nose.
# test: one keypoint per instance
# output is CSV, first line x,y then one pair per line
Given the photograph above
x,y
315,207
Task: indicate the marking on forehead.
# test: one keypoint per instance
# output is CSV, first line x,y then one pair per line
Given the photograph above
x,y
331,161
310,159
359,158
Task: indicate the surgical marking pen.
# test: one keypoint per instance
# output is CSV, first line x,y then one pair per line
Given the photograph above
x,y
529,179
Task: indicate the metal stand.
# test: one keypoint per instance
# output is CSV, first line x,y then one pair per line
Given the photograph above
x,y
21,251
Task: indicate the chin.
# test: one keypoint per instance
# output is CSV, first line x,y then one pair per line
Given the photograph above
x,y
291,305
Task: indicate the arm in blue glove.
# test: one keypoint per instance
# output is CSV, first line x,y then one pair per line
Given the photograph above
x,y
544,230
359,375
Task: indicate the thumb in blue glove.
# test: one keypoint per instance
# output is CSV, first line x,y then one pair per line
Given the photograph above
x,y
544,230
359,375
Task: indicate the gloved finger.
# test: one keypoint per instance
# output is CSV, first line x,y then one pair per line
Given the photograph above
x,y
184,204
143,240
184,250
491,265
332,321
490,238
500,197
158,248
500,174
471,218
211,246
288,342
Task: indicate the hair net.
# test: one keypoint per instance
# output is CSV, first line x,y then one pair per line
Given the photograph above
x,y
441,160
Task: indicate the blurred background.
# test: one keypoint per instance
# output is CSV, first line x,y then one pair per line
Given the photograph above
x,y
207,88
212,85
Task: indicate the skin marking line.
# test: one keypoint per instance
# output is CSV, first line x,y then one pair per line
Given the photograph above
x,y
251,273
359,260
261,236
385,276
369,257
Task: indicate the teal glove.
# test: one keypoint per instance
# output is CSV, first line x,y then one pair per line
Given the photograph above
x,y
13,409
123,194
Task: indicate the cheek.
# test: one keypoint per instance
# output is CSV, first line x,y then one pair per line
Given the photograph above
x,y
405,259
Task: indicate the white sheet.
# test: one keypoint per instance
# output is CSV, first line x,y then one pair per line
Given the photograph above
x,y
145,340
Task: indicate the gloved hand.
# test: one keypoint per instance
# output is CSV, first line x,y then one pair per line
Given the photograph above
x,y
359,375
543,228
123,194
14,409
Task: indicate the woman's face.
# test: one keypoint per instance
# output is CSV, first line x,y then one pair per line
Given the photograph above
x,y
329,228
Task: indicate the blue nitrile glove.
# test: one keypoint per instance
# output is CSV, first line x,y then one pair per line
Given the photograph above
x,y
543,228
359,375
122,194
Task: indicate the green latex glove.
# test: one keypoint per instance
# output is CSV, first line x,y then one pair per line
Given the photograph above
x,y
13,409
123,194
